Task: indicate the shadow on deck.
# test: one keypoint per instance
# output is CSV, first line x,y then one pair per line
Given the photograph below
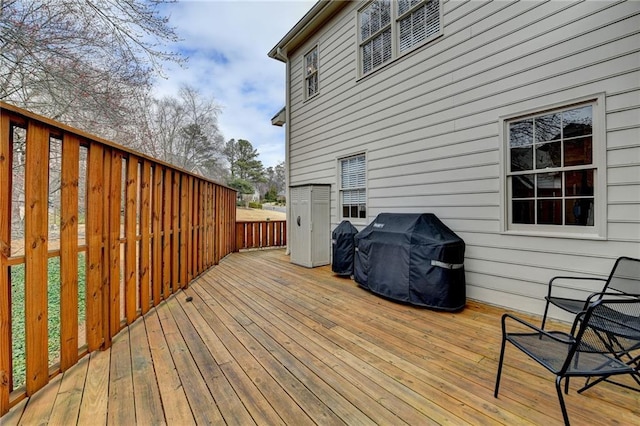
x,y
264,341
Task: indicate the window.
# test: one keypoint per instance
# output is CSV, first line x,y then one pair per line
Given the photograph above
x,y
311,73
552,172
353,193
391,28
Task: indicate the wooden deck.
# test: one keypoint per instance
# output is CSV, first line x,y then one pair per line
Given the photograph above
x,y
266,342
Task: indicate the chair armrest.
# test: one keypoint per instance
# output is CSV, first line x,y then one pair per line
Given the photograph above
x,y
610,295
558,336
560,277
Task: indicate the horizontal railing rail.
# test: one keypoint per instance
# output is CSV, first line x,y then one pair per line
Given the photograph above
x,y
261,234
92,235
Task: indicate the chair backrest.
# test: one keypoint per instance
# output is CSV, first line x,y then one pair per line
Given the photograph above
x,y
610,325
625,276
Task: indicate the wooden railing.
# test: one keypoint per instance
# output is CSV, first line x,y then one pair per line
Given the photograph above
x,y
92,235
263,234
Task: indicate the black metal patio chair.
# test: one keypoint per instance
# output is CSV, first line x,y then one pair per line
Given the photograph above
x,y
608,328
621,334
624,278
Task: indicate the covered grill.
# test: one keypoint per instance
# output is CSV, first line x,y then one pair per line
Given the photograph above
x,y
343,248
412,258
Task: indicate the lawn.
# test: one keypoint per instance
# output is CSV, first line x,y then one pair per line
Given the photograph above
x,y
249,215
17,314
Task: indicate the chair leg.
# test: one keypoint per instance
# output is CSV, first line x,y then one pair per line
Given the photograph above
x,y
495,392
544,317
561,399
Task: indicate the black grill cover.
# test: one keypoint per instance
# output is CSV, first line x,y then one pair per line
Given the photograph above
x,y
343,248
412,258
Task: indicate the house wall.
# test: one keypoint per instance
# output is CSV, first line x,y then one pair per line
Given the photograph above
x,y
429,124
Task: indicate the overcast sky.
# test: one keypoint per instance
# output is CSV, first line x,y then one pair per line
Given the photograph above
x,y
227,42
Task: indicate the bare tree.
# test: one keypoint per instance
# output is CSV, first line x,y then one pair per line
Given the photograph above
x,y
82,61
184,131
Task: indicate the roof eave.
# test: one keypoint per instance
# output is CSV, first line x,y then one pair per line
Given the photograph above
x,y
310,22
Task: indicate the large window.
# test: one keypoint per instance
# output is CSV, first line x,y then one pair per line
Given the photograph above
x,y
552,172
353,193
389,28
311,73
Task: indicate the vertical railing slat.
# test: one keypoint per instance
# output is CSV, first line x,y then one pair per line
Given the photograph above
x,y
36,256
166,231
189,228
175,241
198,267
196,242
184,227
216,227
156,223
130,224
106,256
202,223
212,225
145,238
205,230
69,251
94,259
5,230
115,203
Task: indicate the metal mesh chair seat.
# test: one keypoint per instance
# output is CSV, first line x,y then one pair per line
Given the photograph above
x,y
570,305
621,324
552,354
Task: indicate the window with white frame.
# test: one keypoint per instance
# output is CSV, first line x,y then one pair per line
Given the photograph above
x,y
552,170
353,193
311,73
389,28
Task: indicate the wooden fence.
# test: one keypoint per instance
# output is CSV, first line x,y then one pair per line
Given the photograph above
x,y
261,234
86,255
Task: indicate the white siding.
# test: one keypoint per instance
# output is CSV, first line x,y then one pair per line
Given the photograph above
x,y
429,124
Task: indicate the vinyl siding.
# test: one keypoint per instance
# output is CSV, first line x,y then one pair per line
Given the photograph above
x,y
429,125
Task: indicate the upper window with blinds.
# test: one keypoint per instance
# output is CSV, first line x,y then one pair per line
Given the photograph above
x,y
389,28
311,73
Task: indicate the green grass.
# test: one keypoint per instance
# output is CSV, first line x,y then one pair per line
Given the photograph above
x,y
18,314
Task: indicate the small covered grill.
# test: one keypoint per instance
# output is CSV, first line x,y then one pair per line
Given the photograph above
x,y
412,258
342,239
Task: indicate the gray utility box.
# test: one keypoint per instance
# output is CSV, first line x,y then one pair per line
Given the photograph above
x,y
310,229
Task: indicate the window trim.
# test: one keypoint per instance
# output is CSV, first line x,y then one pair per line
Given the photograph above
x,y
354,220
396,54
599,148
305,77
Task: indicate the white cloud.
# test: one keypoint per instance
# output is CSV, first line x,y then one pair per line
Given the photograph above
x,y
227,44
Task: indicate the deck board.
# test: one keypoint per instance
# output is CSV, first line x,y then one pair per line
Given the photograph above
x,y
262,341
